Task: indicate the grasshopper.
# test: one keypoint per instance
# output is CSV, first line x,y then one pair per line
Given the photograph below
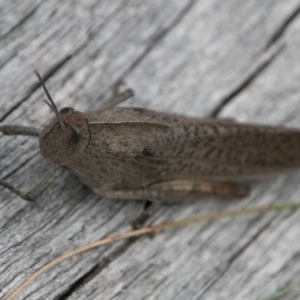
x,y
134,153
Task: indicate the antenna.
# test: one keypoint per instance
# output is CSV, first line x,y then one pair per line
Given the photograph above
x,y
51,104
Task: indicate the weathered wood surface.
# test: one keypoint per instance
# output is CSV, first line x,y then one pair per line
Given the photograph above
x,y
235,58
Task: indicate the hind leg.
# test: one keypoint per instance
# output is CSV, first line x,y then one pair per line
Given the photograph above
x,y
181,191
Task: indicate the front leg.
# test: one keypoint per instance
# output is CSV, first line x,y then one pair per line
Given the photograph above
x,y
19,130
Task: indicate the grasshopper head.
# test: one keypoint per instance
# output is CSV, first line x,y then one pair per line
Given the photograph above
x,y
58,145
66,137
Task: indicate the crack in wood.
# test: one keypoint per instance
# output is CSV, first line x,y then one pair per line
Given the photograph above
x,y
18,214
36,85
236,255
294,259
275,37
22,164
160,36
21,22
153,42
283,28
88,276
202,246
245,83
80,48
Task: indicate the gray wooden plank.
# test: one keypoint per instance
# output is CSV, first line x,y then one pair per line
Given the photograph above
x,y
185,57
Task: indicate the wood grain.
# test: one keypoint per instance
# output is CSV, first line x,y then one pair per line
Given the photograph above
x,y
236,59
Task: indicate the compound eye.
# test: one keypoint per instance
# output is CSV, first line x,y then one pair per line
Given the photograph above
x,y
75,137
66,110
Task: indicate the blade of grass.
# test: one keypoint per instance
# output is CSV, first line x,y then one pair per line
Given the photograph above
x,y
151,229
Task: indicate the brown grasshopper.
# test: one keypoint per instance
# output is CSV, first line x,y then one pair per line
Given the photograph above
x,y
134,153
